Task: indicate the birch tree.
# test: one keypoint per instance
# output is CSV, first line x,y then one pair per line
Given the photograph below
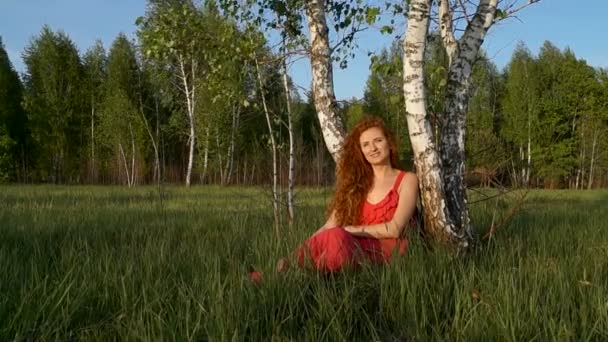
x,y
273,147
324,97
347,18
441,169
521,106
120,121
173,34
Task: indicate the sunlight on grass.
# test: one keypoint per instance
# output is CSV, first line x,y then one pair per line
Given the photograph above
x,y
108,263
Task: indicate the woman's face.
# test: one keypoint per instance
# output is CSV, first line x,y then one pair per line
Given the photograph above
x,y
374,146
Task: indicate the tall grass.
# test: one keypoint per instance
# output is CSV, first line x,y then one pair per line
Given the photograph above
x,y
107,263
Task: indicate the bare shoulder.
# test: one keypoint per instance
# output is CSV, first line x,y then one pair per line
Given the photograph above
x,y
410,181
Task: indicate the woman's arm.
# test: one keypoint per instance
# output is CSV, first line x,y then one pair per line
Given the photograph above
x,y
330,223
408,195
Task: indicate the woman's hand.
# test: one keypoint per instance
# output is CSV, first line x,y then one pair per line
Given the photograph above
x,y
354,230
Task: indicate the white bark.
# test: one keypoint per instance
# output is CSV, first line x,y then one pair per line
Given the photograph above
x,y
126,164
522,158
132,181
206,155
156,171
273,146
189,90
591,166
219,155
447,33
453,129
322,77
291,172
428,164
230,155
441,178
93,169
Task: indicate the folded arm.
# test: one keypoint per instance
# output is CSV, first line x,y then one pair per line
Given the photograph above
x,y
408,195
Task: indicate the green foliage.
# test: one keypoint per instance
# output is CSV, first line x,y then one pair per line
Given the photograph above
x,y
383,96
436,76
554,102
13,120
54,101
95,69
485,149
6,158
121,124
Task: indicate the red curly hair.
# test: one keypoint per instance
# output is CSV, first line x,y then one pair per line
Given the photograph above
x,y
354,174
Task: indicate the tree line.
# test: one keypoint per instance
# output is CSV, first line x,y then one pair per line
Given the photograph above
x,y
141,112
198,99
540,122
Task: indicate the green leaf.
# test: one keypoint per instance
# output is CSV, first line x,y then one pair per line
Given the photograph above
x,y
370,15
386,29
500,14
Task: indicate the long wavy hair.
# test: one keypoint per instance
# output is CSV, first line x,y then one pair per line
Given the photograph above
x,y
354,174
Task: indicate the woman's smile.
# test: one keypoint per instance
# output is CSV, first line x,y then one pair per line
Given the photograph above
x,y
374,146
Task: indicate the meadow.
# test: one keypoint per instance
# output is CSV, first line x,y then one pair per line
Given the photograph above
x,y
111,263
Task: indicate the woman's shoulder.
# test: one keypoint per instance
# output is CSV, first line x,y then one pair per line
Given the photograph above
x,y
409,179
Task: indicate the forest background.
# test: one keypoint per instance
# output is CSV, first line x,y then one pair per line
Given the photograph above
x,y
115,115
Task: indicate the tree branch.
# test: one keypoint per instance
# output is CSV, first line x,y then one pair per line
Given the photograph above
x,y
464,10
348,36
447,33
513,11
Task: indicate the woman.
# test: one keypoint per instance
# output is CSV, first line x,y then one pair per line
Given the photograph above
x,y
373,203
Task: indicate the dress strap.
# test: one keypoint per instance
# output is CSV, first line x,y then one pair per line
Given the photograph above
x,y
398,180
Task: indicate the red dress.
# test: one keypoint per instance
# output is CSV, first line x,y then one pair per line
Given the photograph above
x,y
334,248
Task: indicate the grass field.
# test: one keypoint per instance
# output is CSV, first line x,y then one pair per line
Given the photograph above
x,y
110,263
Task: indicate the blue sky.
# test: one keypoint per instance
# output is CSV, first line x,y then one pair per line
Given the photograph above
x,y
579,25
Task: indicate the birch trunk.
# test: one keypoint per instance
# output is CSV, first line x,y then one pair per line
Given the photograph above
x,y
230,155
93,169
454,118
522,159
322,77
591,165
156,172
126,164
291,171
132,156
219,155
206,155
441,175
426,158
581,181
273,145
189,91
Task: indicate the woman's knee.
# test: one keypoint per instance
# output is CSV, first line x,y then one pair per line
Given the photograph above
x,y
331,249
336,233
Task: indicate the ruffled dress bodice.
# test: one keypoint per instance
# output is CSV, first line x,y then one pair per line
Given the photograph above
x,y
385,209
